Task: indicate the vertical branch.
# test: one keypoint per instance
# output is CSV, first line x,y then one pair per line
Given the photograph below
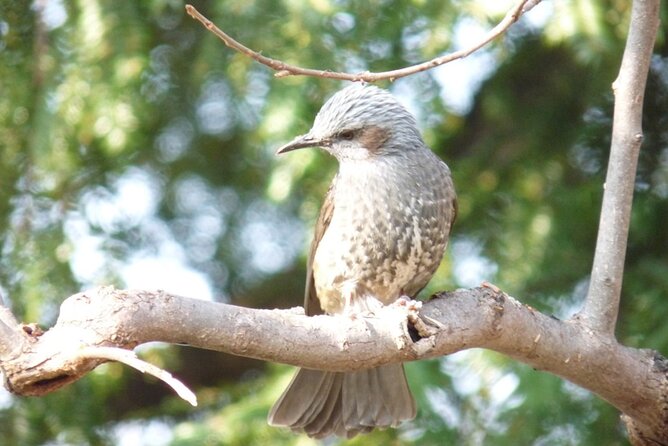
x,y
602,303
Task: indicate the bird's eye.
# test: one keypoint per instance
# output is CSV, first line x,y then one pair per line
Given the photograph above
x,y
347,135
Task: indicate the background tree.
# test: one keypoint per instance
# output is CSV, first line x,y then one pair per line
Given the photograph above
x,y
137,150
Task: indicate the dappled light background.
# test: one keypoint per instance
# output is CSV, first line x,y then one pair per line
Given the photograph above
x,y
137,150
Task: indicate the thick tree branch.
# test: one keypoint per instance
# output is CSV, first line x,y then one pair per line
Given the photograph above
x,y
284,69
480,317
602,303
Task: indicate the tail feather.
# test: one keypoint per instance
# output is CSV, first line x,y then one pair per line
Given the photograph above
x,y
298,409
400,402
344,404
383,413
327,419
361,403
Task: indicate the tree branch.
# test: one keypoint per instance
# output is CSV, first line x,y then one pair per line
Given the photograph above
x,y
129,358
284,69
602,302
480,317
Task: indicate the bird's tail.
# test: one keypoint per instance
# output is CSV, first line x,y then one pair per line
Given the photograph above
x,y
344,404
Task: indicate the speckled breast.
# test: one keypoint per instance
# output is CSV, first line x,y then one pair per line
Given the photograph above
x,y
388,232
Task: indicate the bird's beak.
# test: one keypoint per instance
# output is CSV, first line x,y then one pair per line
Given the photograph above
x,y
301,142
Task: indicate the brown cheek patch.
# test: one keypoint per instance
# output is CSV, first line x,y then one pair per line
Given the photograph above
x,y
373,137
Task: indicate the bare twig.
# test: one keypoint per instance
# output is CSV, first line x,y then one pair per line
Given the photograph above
x,y
129,358
284,69
602,303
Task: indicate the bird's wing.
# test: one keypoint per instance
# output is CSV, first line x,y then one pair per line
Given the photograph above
x,y
311,302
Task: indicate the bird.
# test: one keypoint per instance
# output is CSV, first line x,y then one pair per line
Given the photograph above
x,y
380,236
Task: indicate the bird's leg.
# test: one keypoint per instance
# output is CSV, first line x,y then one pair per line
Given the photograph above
x,y
349,310
358,301
361,306
348,292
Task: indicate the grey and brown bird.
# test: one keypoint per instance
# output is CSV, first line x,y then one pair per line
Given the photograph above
x,y
380,235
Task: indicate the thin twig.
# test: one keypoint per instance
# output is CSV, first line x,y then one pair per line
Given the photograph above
x,y
602,302
283,69
129,358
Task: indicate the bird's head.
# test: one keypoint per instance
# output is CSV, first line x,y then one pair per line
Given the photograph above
x,y
361,122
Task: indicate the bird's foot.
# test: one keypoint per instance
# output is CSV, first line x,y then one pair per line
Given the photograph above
x,y
411,305
419,325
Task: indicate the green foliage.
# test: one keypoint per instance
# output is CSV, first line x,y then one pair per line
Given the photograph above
x,y
129,134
